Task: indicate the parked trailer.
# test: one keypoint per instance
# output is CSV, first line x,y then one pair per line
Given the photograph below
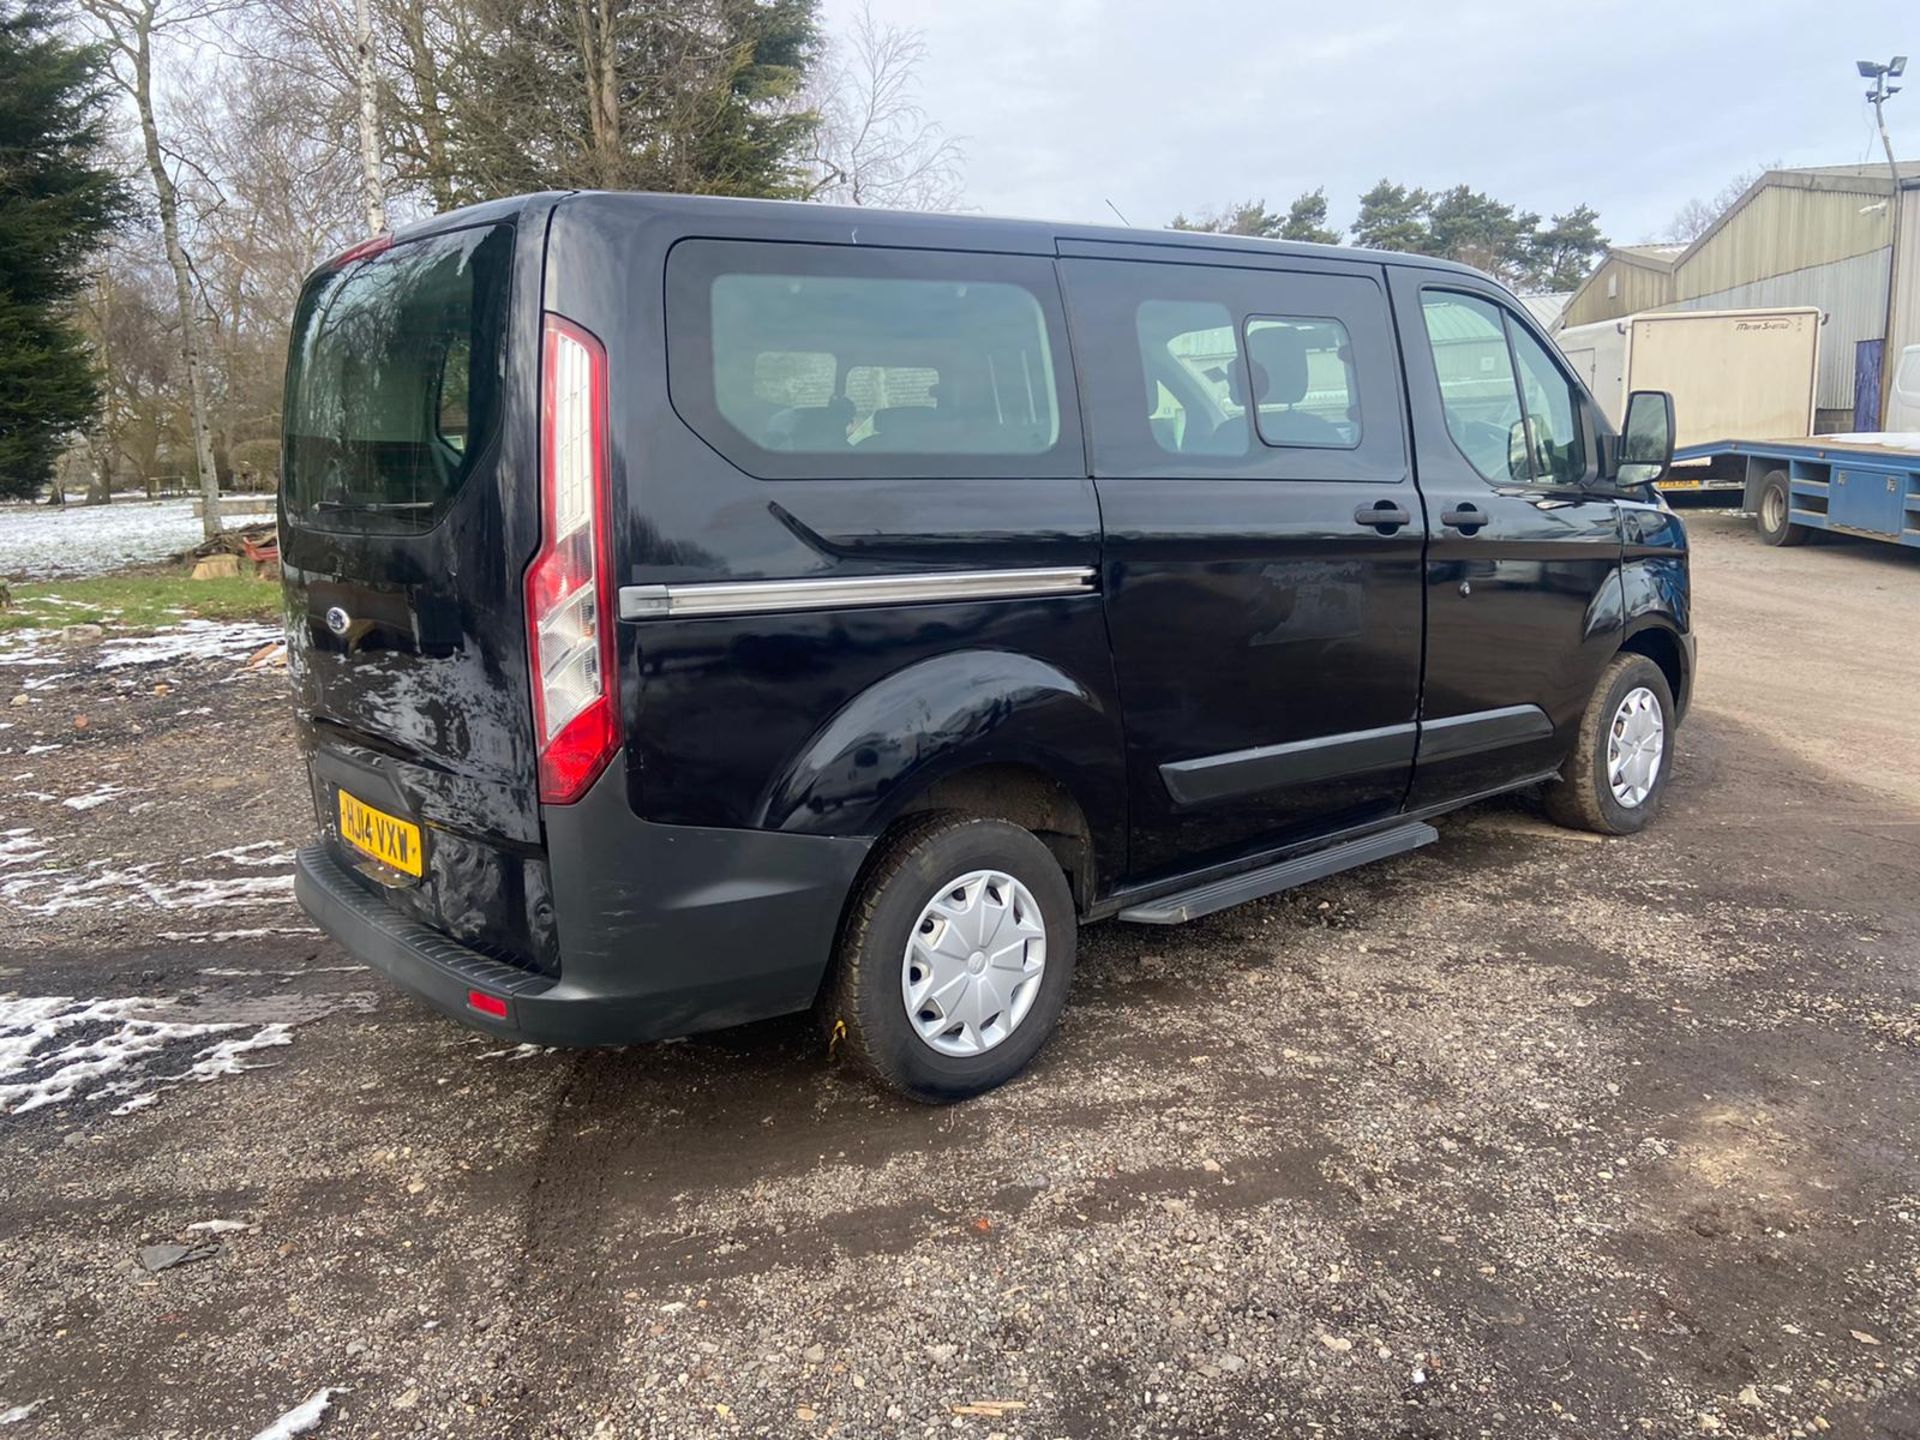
x,y
1730,372
1861,485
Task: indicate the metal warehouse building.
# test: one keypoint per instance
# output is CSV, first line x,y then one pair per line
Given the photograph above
x,y
1822,236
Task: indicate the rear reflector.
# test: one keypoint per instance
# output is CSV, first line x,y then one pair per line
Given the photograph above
x,y
487,1004
569,586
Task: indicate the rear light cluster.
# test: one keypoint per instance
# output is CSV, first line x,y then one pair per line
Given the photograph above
x,y
569,585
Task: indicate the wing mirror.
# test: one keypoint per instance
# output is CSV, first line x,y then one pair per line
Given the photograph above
x,y
1646,438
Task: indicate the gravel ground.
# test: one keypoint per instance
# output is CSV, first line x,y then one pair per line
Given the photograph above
x,y
1524,1134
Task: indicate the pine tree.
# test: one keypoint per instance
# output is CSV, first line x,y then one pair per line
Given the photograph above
x,y
1307,220
1392,217
1567,250
58,201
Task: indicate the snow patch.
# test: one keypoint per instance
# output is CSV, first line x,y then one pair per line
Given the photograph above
x,y
57,1049
303,1417
216,937
99,795
19,847
190,640
41,543
516,1052
51,892
14,1414
260,852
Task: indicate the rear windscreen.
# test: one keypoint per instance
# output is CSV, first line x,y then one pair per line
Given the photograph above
x,y
393,384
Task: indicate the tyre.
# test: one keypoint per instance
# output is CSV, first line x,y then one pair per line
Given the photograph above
x,y
1614,779
954,960
1776,504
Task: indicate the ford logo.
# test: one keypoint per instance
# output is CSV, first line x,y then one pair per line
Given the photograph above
x,y
338,621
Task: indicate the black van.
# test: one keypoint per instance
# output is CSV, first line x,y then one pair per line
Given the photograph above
x,y
702,610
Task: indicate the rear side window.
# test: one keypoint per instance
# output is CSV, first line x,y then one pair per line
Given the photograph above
x,y
393,384
800,362
1228,371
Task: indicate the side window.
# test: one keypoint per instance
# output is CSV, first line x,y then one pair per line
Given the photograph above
x,y
1302,371
1553,421
1478,390
1187,348
1231,371
805,361
1509,408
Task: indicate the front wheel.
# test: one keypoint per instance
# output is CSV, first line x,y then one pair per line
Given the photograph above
x,y
1776,504
1614,779
955,958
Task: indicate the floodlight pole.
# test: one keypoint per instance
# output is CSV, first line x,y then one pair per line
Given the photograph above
x,y
1878,97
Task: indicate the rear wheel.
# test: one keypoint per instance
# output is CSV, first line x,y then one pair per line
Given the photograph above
x,y
954,963
1776,504
1613,781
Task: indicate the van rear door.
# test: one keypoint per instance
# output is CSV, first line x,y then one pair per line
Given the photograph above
x,y
408,515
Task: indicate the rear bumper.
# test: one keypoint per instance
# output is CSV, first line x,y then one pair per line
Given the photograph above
x,y
664,929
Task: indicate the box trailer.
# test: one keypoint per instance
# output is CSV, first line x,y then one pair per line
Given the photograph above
x,y
1732,373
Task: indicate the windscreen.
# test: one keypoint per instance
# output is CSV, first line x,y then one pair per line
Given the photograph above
x,y
393,384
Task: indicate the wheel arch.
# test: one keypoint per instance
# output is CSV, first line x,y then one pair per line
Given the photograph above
x,y
991,733
1662,644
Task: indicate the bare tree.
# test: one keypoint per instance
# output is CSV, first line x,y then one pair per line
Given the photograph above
x,y
129,28
1696,217
875,144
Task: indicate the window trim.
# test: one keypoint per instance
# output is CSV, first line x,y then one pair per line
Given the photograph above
x,y
695,261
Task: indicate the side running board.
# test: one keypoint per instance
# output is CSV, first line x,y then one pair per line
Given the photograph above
x,y
1191,904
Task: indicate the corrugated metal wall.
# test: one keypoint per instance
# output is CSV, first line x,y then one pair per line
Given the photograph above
x,y
1784,229
1639,289
1853,292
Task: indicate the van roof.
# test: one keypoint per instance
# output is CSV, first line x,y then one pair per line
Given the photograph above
x,y
920,229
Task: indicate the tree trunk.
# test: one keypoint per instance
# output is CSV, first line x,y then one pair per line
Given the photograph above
x,y
370,179
423,70
100,492
599,71
168,204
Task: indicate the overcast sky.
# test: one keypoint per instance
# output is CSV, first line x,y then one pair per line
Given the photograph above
x,y
1169,105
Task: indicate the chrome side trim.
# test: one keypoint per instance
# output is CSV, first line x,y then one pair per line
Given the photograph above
x,y
767,597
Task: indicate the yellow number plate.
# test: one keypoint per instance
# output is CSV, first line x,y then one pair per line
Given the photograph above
x,y
387,838
1681,484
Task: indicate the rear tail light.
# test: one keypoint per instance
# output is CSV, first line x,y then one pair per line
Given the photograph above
x,y
569,584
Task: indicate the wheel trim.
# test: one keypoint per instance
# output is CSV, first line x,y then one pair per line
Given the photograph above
x,y
974,962
1773,508
1636,746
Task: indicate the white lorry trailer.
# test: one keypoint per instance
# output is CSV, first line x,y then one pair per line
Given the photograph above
x,y
1732,373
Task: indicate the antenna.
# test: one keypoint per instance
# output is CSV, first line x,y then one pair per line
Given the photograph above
x,y
1116,210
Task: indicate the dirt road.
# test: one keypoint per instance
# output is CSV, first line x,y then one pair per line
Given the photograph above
x,y
1524,1134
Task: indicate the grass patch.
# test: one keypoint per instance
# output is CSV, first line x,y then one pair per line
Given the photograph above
x,y
138,602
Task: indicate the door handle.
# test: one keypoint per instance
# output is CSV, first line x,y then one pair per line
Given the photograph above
x,y
1384,515
1467,519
